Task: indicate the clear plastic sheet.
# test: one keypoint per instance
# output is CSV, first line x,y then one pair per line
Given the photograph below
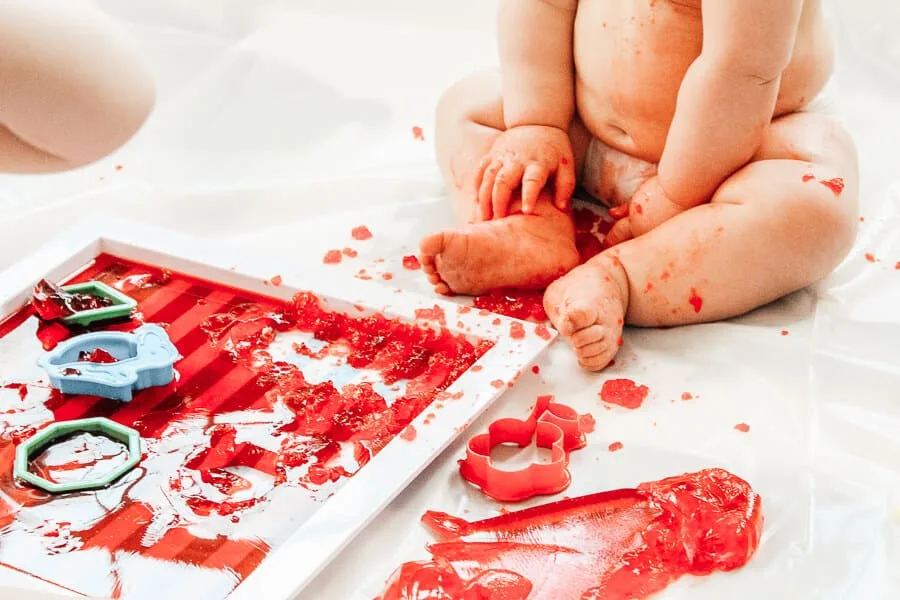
x,y
280,126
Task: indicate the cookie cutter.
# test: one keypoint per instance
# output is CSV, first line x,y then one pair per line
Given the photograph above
x,y
551,425
145,358
122,305
46,437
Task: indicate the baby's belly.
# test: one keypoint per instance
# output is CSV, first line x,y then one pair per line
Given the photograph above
x,y
630,60
632,55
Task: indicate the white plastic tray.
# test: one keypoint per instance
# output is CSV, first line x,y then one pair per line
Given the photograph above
x,y
294,562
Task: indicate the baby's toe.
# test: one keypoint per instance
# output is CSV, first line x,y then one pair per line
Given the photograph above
x,y
594,363
590,335
575,318
596,355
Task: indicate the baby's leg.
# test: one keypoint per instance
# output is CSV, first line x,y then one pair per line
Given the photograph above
x,y
72,89
518,251
781,223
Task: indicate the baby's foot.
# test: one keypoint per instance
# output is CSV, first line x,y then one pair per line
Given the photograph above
x,y
518,251
588,307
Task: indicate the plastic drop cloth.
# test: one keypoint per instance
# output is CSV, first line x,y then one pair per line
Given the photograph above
x,y
282,125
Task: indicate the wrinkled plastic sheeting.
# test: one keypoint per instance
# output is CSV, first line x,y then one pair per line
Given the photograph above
x,y
280,126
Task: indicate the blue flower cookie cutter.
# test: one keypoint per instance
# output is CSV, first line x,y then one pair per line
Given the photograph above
x,y
145,358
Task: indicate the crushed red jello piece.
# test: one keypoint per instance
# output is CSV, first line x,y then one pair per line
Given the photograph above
x,y
98,355
51,302
524,305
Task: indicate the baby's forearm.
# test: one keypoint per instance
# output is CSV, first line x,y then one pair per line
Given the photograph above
x,y
536,59
728,96
718,126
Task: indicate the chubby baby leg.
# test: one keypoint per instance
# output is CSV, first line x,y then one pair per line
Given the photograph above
x,y
72,88
779,224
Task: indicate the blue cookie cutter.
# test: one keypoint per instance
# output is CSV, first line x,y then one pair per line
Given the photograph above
x,y
146,358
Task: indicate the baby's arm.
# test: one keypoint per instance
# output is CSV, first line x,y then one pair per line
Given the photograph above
x,y
538,80
537,64
72,89
728,96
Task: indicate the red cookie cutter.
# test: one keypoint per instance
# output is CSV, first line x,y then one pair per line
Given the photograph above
x,y
551,425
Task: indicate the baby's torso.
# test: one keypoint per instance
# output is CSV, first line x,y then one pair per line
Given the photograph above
x,y
631,56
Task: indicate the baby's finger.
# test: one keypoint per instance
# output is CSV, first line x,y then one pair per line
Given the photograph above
x,y
565,183
479,174
487,188
533,181
620,232
508,179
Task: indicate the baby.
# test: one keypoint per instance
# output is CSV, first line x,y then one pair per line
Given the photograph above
x,y
72,89
692,118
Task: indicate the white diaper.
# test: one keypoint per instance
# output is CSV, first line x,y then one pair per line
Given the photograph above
x,y
611,176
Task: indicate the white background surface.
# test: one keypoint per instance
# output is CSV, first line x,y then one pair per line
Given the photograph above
x,y
281,125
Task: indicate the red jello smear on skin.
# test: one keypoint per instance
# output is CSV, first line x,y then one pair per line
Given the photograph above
x,y
616,545
624,392
695,301
836,185
224,335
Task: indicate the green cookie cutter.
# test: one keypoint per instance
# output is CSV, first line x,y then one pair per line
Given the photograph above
x,y
121,307
47,436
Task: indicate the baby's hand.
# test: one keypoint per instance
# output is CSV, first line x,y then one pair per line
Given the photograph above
x,y
529,156
649,208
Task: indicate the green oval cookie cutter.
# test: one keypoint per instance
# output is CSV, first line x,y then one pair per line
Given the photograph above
x,y
121,307
53,433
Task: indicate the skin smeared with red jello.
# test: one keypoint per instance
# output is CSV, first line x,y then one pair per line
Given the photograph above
x,y
617,545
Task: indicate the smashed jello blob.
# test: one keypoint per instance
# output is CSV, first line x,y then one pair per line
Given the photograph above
x,y
624,392
51,302
98,355
523,305
616,545
361,233
411,263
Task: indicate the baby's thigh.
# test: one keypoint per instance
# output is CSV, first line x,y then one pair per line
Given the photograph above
x,y
612,176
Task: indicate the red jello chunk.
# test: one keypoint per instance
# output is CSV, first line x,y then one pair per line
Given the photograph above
x,y
51,302
524,305
98,355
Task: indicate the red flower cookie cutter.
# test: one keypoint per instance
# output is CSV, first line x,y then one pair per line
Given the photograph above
x,y
551,425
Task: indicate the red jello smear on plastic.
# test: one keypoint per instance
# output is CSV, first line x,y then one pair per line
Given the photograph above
x,y
224,336
616,545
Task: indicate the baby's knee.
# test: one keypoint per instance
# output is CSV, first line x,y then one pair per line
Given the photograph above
x,y
476,98
821,209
